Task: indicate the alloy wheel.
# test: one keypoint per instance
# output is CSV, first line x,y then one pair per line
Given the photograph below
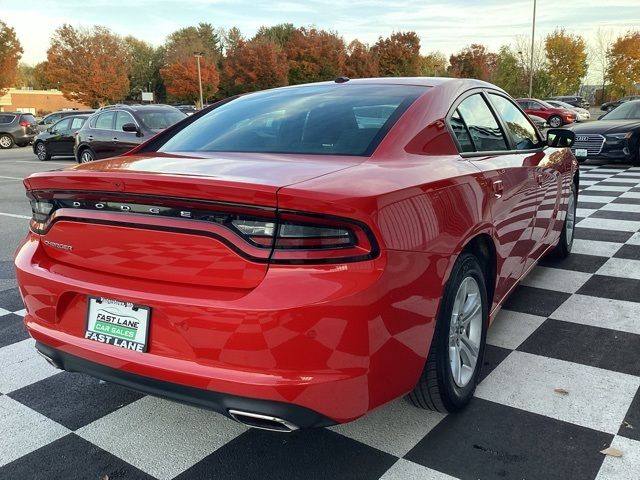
x,y
86,157
41,151
465,332
5,141
555,122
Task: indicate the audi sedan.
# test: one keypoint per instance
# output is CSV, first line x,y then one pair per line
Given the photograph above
x,y
615,136
300,256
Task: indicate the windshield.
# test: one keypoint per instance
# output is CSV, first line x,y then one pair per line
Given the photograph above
x,y
160,119
626,111
317,119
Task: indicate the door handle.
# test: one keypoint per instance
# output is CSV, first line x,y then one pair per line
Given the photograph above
x,y
115,139
90,137
498,188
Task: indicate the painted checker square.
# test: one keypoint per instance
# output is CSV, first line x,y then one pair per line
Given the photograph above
x,y
560,382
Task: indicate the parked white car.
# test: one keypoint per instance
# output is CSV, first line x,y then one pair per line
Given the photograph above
x,y
582,114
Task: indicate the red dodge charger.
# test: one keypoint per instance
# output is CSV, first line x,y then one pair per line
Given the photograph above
x,y
300,256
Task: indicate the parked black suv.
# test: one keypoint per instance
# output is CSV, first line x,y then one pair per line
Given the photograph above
x,y
608,106
59,138
573,100
52,118
18,128
116,129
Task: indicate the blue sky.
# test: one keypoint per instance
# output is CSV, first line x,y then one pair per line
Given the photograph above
x,y
442,25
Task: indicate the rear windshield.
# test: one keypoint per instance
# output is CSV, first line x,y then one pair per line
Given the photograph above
x,y
6,118
161,118
319,119
27,117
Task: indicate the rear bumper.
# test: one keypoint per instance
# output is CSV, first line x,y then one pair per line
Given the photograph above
x,y
216,401
338,340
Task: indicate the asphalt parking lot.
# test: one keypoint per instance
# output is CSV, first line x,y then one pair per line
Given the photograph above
x,y
561,382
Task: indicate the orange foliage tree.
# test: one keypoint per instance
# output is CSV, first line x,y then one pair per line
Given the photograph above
x,y
398,55
181,79
89,65
255,65
10,53
624,64
360,62
474,61
315,55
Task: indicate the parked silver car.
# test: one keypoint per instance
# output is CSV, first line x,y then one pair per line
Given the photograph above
x,y
17,128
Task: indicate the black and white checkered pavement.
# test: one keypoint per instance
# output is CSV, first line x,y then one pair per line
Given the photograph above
x,y
561,382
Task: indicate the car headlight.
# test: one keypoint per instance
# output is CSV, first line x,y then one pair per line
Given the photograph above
x,y
618,136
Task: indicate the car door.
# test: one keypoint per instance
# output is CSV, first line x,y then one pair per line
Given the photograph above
x,y
124,141
57,133
542,163
66,143
100,138
509,184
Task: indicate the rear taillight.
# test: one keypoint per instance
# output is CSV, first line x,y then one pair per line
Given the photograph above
x,y
281,237
24,124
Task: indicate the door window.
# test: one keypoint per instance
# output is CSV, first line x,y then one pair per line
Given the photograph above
x,y
105,121
61,126
51,119
522,132
122,118
486,135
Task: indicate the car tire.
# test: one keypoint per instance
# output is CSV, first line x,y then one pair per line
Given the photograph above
x,y
41,152
555,121
448,380
86,156
6,141
563,249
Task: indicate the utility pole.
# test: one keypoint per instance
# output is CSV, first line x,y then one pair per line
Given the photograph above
x,y
533,39
198,55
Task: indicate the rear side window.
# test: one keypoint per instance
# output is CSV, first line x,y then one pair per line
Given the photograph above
x,y
486,135
522,132
6,118
461,132
105,121
76,123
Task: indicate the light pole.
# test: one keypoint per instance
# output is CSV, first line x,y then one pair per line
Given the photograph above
x,y
198,55
533,38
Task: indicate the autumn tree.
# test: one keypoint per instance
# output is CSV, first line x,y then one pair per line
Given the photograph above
x,y
566,60
624,64
360,63
89,64
315,55
144,62
40,79
433,64
255,65
509,73
232,39
181,80
279,34
398,55
10,54
474,61
203,38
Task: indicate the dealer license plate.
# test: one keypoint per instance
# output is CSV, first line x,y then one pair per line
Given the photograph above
x,y
118,323
581,152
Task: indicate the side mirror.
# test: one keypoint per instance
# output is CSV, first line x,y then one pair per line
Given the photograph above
x,y
560,137
130,127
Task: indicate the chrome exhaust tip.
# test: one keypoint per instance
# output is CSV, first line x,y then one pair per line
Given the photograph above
x,y
263,422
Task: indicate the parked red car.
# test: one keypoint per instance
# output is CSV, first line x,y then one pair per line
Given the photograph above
x,y
555,117
300,256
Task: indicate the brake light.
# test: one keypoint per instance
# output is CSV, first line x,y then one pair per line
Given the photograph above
x,y
279,237
24,124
